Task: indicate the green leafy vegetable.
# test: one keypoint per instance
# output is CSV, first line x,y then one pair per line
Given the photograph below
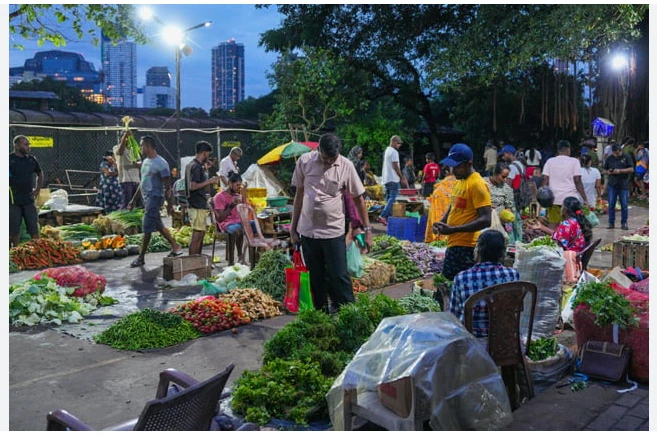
x,y
545,240
268,275
33,301
416,302
543,348
607,305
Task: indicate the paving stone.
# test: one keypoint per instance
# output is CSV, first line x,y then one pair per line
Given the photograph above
x,y
628,423
607,418
629,400
640,410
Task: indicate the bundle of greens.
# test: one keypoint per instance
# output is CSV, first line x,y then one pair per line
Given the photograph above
x,y
268,274
607,305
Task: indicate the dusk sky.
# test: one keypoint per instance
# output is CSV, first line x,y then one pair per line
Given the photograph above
x,y
241,22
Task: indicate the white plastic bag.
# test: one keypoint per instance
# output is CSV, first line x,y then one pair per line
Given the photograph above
x,y
355,263
567,311
58,200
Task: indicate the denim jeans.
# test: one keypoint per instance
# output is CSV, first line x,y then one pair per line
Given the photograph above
x,y
391,192
623,195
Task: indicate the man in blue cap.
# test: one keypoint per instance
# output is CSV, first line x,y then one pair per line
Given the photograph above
x,y
469,212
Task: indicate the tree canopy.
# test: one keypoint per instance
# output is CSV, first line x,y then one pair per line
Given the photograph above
x,y
52,22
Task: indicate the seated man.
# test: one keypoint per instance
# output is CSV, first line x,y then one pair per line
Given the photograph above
x,y
488,270
227,216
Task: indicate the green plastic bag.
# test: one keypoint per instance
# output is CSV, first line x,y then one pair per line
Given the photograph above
x,y
593,219
305,295
355,261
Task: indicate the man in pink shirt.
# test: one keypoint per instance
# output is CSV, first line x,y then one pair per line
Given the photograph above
x,y
227,216
563,175
322,178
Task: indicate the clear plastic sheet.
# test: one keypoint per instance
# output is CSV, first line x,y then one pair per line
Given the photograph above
x,y
456,385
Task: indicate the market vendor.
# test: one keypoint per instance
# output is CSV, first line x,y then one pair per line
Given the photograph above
x,y
574,232
469,211
228,218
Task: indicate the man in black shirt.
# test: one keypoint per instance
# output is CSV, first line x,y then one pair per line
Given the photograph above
x,y
196,181
619,167
22,192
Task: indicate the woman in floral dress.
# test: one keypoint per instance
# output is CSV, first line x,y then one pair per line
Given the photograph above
x,y
109,189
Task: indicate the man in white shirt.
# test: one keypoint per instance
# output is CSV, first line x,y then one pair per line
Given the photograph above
x,y
563,175
228,164
391,177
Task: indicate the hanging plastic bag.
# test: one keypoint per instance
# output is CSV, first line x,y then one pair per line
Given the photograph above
x,y
305,295
355,261
593,219
496,224
293,283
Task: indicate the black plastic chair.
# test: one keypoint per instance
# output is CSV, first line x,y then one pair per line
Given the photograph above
x,y
191,409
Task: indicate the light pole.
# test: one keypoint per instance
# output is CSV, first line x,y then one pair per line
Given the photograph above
x,y
177,37
179,48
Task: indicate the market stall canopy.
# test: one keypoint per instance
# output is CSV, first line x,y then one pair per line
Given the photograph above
x,y
262,177
289,150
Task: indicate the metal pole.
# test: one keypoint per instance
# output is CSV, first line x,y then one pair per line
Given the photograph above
x,y
178,157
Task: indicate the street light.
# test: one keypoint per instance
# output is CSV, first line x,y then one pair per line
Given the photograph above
x,y
177,37
181,47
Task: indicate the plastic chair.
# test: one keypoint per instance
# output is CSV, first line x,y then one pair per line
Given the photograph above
x,y
191,409
585,255
505,303
229,239
255,242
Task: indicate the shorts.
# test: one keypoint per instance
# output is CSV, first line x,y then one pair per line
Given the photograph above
x,y
19,212
457,259
198,219
152,220
427,189
639,172
553,214
233,228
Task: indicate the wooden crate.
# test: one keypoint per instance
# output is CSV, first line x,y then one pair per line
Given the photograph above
x,y
631,254
178,267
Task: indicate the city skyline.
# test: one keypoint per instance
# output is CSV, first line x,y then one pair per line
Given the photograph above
x,y
195,68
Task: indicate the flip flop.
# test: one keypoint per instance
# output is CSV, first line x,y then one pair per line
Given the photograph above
x,y
137,262
173,254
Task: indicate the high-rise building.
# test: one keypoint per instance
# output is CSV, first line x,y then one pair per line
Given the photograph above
x,y
63,66
120,71
227,75
158,92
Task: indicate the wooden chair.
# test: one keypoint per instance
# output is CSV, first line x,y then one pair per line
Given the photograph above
x,y
255,242
585,255
504,303
229,239
191,409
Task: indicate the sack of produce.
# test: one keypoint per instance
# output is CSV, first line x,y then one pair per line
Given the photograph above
x,y
377,274
542,263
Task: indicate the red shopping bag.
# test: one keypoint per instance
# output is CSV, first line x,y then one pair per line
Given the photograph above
x,y
297,285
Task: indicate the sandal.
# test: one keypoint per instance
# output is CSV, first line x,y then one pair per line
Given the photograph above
x,y
173,254
137,262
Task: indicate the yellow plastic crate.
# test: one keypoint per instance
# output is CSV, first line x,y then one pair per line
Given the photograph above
x,y
256,192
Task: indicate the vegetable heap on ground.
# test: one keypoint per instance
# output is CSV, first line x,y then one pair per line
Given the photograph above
x,y
390,251
209,314
253,302
81,279
423,257
183,235
43,300
157,244
268,274
120,222
43,252
301,361
147,329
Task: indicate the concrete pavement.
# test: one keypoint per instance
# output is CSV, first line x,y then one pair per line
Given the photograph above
x,y
62,368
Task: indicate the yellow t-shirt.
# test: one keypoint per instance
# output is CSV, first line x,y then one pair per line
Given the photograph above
x,y
468,195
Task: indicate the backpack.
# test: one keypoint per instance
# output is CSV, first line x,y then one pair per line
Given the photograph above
x,y
522,193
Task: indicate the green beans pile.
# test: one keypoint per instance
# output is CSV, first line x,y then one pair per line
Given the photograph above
x,y
147,329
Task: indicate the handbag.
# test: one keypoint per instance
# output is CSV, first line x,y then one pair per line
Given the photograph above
x,y
604,360
297,286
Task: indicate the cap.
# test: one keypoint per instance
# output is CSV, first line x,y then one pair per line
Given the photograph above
x,y
109,153
236,151
509,149
458,154
584,150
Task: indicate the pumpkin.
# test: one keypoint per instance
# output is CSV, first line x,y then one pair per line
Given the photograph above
x,y
90,255
107,253
120,252
133,249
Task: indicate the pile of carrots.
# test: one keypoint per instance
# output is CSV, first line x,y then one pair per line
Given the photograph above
x,y
357,287
42,253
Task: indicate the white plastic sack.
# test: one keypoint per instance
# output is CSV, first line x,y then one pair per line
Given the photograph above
x,y
567,311
456,384
58,200
543,266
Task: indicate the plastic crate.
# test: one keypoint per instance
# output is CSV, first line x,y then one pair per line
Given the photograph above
x,y
407,228
252,192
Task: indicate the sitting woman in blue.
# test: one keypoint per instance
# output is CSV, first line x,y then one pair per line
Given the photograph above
x,y
488,270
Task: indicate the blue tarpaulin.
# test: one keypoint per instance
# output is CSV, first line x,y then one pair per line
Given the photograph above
x,y
602,127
